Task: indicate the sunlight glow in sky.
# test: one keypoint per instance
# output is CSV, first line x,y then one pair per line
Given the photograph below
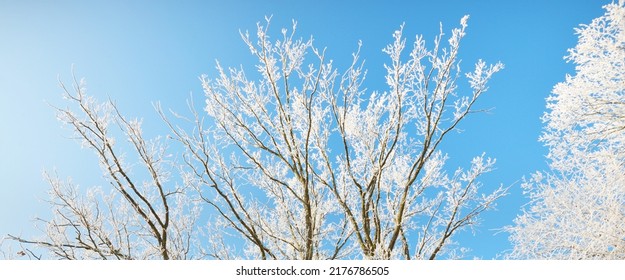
x,y
141,52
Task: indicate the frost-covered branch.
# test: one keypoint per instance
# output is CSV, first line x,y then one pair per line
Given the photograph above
x,y
294,160
318,153
134,217
577,208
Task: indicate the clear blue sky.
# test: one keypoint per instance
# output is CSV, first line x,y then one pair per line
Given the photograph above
x,y
138,52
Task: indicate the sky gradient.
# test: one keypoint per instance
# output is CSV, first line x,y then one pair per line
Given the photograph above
x,y
140,52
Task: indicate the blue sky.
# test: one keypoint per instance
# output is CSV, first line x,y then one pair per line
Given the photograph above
x,y
139,52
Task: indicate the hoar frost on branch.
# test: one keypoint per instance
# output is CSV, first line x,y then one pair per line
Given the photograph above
x,y
577,211
143,215
303,162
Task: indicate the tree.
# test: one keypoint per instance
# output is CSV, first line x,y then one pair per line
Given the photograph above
x,y
330,170
577,211
142,215
300,161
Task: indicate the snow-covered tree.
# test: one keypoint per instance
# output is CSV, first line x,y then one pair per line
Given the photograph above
x,y
577,211
303,162
142,214
296,160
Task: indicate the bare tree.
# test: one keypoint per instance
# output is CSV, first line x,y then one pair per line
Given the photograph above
x,y
143,216
295,161
304,163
